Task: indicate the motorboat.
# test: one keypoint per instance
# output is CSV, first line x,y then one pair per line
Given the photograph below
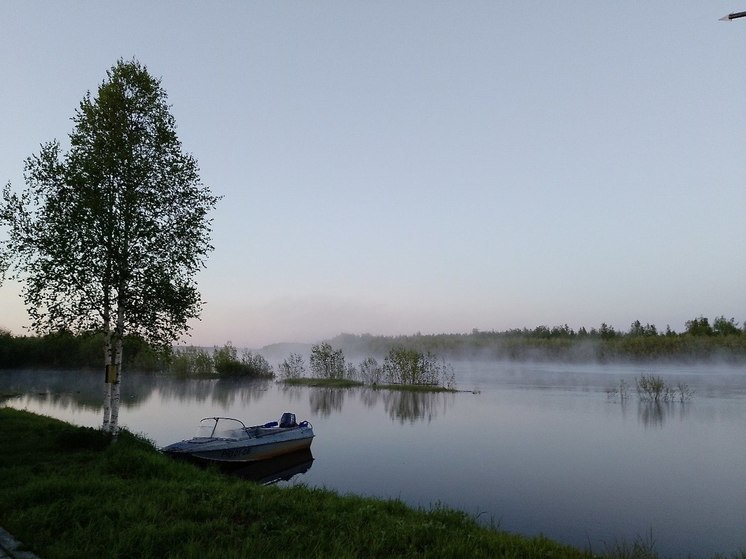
x,y
226,439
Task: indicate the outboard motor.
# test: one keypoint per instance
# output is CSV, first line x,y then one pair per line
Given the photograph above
x,y
288,420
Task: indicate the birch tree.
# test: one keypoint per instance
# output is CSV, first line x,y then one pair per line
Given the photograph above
x,y
108,235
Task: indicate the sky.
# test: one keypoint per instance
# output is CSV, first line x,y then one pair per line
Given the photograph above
x,y
395,167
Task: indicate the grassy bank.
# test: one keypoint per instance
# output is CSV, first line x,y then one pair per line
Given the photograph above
x,y
346,383
322,382
68,493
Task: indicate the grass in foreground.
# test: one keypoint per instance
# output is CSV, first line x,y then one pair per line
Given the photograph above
x,y
68,493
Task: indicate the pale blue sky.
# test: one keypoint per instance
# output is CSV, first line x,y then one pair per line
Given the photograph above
x,y
394,167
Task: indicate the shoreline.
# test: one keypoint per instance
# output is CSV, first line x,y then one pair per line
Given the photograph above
x,y
69,492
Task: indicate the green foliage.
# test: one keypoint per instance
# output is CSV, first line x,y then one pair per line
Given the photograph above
x,y
650,387
323,382
370,372
140,213
638,330
607,332
227,363
225,359
191,362
292,368
327,362
402,367
699,327
108,236
723,327
408,366
64,350
642,343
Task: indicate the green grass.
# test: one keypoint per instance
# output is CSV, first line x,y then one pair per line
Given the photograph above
x,y
67,492
346,383
413,387
323,382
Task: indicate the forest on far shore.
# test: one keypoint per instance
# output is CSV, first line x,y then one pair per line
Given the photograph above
x,y
722,340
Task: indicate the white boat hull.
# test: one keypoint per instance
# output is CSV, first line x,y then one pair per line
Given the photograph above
x,y
249,444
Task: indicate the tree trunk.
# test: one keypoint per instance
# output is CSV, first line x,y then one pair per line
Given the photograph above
x,y
115,386
107,405
117,377
108,362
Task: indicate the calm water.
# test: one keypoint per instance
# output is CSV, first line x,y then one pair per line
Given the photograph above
x,y
540,448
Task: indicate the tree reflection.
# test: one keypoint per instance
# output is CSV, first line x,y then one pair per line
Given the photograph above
x,y
370,397
651,414
82,389
654,414
411,407
196,390
324,401
291,392
63,389
227,391
401,405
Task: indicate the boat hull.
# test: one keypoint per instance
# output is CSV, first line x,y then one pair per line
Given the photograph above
x,y
243,450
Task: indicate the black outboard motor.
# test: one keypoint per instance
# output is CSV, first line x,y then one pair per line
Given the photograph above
x,y
288,420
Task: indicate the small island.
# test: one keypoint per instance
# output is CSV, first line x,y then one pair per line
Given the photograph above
x,y
402,369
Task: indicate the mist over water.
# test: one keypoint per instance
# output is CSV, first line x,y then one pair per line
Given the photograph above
x,y
540,448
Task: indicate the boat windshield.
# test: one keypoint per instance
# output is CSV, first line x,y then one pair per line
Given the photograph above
x,y
221,427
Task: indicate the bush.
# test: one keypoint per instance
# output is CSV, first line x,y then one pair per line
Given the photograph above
x,y
224,362
190,362
410,366
653,388
326,362
255,365
370,371
293,367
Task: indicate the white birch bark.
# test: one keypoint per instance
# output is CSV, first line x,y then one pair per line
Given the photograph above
x,y
107,386
107,407
117,350
115,387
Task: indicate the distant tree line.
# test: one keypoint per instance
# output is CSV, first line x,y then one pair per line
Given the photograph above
x,y
702,339
65,350
722,339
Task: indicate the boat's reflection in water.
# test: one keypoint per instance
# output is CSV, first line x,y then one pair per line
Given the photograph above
x,y
273,470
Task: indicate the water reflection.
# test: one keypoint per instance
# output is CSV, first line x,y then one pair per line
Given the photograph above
x,y
84,391
63,389
324,401
401,405
219,392
274,470
291,392
654,414
416,406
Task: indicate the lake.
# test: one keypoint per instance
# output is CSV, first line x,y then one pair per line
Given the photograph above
x,y
536,448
